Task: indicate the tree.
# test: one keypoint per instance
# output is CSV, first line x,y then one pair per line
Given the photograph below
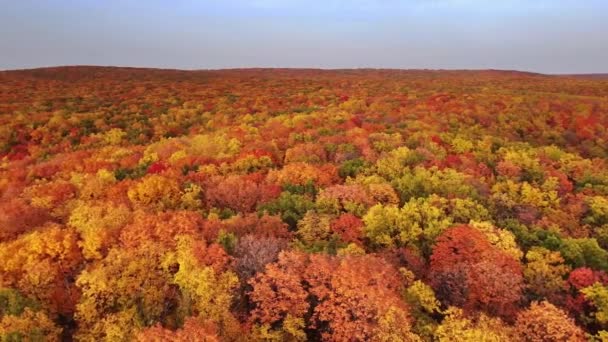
x,y
344,198
545,322
51,196
99,225
260,226
583,277
490,279
464,210
584,253
238,193
292,329
511,194
545,274
598,295
291,207
155,192
314,228
17,217
28,326
350,297
451,285
397,161
495,286
423,215
160,227
205,283
193,330
576,301
348,227
386,227
305,153
41,264
357,295
125,291
383,193
598,211
253,162
422,182
213,145
383,142
303,173
457,327
500,238
423,305
352,167
279,292
417,223
22,319
253,253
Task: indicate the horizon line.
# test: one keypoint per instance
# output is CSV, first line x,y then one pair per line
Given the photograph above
x,y
371,68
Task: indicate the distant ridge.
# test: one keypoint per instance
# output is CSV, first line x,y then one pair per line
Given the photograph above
x,y
588,76
61,68
91,73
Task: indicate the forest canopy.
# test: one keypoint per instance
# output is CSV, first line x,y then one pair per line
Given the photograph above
x,y
293,205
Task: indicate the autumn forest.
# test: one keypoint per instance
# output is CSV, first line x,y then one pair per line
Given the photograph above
x,y
302,205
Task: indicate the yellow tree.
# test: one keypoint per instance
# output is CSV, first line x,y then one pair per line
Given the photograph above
x,y
457,327
544,274
123,292
155,192
98,225
40,264
205,282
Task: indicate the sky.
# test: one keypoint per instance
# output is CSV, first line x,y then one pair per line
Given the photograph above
x,y
548,36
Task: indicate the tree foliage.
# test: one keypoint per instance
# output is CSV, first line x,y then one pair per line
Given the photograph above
x,y
293,205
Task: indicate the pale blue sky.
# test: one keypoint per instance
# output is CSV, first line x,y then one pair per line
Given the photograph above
x,y
552,36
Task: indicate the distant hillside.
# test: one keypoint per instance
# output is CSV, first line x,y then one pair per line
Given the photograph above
x,y
85,71
590,76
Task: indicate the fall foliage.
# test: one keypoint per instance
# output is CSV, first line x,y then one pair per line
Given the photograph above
x,y
294,205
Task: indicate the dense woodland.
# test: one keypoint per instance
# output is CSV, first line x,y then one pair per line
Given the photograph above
x,y
293,205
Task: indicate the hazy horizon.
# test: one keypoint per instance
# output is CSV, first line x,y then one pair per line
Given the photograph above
x,y
295,68
549,37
